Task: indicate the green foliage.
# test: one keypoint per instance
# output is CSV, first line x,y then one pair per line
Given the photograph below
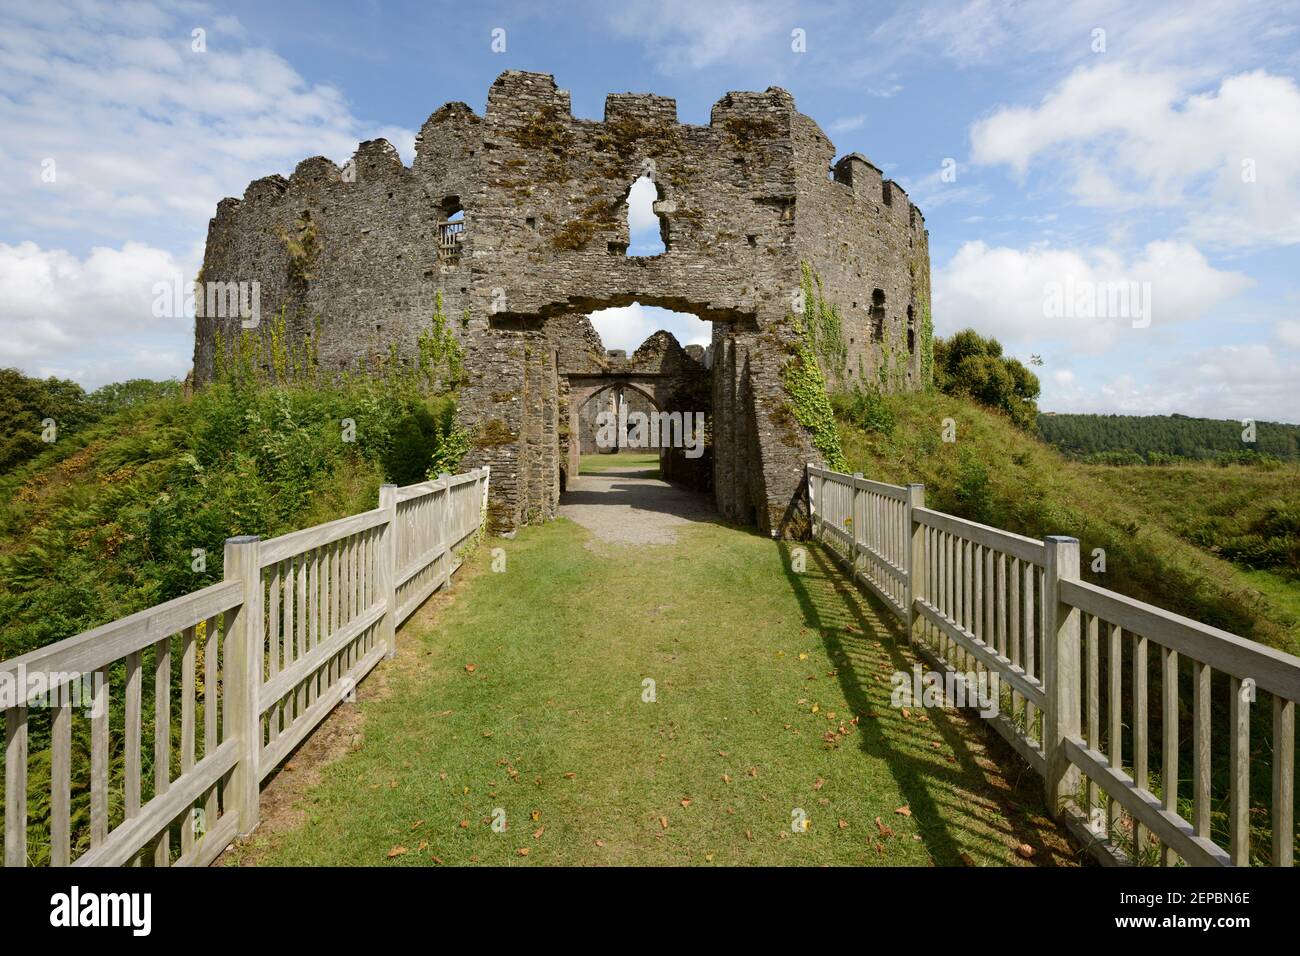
x,y
104,521
441,360
810,405
823,327
927,349
1246,514
1167,439
969,364
26,402
865,408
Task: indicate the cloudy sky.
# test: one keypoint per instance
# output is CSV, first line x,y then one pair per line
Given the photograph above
x,y
1050,145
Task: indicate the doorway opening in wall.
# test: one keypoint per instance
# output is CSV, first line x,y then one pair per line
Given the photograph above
x,y
643,406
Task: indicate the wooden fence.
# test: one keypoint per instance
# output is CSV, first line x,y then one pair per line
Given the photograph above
x,y
257,662
1077,667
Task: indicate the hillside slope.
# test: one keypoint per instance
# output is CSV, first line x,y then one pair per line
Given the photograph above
x,y
1000,475
135,509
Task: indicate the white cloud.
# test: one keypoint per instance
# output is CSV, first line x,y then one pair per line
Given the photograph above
x,y
91,319
1003,291
1225,382
683,35
847,123
145,136
143,131
1228,158
1288,333
626,327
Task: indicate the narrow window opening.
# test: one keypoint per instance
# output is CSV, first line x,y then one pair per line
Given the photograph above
x,y
646,230
451,231
878,315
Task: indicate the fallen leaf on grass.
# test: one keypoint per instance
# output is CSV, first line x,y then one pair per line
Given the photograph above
x,y
535,815
818,783
537,834
522,851
686,802
600,843
966,858
844,824
726,778
464,824
904,811
884,828
1026,851
470,668
424,845
443,713
663,823
396,851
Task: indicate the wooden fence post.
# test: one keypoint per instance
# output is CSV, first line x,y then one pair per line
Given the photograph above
x,y
242,677
483,511
446,532
1061,645
914,546
813,501
386,570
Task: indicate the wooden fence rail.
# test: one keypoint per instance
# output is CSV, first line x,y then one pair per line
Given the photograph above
x,y
1074,665
185,708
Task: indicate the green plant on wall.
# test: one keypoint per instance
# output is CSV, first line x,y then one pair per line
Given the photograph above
x,y
823,327
806,386
927,348
441,358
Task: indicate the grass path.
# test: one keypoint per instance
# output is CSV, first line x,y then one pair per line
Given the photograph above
x,y
758,674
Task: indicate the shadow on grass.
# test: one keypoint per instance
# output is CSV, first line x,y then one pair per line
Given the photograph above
x,y
947,795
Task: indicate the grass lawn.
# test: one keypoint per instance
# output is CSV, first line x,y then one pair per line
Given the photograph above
x,y
622,461
523,694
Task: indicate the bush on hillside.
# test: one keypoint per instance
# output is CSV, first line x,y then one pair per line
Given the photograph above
x,y
969,364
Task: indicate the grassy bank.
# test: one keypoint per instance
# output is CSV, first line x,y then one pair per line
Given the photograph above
x,y
998,474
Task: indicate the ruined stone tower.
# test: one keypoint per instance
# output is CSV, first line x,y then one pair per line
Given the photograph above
x,y
518,219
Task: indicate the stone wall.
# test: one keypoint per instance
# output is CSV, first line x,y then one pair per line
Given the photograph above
x,y
743,201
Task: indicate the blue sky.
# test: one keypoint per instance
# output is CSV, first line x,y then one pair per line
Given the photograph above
x,y
1162,151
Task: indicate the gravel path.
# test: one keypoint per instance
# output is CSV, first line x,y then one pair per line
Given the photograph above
x,y
625,507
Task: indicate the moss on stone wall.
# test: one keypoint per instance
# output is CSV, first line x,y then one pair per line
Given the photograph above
x,y
492,434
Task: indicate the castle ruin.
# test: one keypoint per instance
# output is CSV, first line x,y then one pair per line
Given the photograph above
x,y
517,219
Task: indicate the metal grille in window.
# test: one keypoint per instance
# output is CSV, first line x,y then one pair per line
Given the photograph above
x,y
450,237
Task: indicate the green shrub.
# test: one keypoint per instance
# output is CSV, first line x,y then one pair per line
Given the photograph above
x,y
969,364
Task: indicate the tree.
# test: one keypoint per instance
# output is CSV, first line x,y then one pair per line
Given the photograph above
x,y
969,364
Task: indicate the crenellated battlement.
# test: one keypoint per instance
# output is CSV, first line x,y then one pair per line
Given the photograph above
x,y
516,221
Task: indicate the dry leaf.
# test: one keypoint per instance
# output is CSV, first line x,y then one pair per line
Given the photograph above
x,y
537,834
600,843
906,712
904,811
663,823
396,851
470,668
884,828
1026,851
535,815
464,824
844,824
417,824
685,802
966,858
726,778
522,851
818,783
424,845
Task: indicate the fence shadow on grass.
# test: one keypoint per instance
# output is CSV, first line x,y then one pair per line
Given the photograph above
x,y
950,789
